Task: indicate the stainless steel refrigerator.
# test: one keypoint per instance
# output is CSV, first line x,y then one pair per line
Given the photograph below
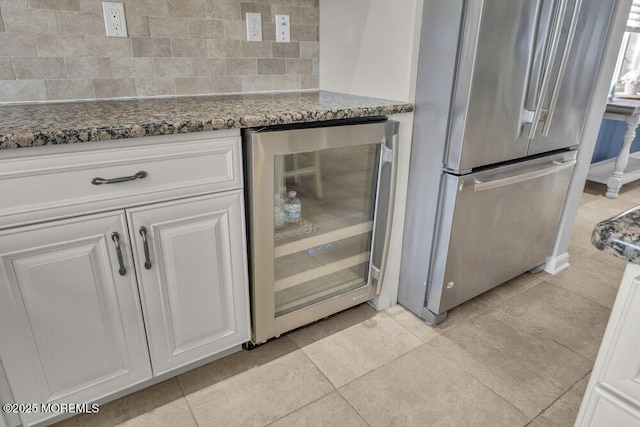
x,y
502,92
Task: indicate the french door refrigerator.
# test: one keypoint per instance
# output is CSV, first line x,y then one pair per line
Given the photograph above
x,y
333,257
501,98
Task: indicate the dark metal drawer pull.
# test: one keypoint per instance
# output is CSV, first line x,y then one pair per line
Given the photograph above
x,y
116,239
100,181
147,261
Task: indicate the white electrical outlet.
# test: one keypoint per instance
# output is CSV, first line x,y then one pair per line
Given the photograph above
x,y
283,34
254,27
114,20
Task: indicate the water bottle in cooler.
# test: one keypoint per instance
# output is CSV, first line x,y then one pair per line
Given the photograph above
x,y
279,212
293,208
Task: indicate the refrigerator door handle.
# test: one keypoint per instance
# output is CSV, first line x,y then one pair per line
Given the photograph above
x,y
563,67
546,79
502,182
388,155
539,60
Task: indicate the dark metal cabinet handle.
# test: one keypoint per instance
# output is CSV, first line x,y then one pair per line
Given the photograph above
x,y
100,181
147,261
116,239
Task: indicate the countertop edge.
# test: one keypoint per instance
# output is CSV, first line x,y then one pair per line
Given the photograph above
x,y
66,135
620,235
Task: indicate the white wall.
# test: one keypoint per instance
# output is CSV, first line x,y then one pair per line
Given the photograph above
x,y
370,48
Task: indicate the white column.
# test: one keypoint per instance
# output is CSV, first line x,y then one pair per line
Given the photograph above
x,y
559,258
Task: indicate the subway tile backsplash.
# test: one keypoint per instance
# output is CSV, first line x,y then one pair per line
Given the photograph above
x,y
57,49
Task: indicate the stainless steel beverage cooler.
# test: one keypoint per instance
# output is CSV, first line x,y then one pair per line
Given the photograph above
x,y
334,257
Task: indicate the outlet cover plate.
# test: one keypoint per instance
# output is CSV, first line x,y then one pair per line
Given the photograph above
x,y
283,34
254,27
114,20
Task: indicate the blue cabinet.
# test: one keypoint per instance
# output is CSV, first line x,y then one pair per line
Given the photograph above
x,y
610,140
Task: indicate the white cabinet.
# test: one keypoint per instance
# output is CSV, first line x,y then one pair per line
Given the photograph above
x,y
613,394
192,276
6,419
71,325
87,310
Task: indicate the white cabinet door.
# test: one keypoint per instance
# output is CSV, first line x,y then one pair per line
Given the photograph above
x,y
612,397
6,419
194,286
71,328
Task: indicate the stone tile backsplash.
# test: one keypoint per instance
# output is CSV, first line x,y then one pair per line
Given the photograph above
x,y
57,49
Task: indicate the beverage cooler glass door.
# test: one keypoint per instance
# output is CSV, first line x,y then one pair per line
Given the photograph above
x,y
331,256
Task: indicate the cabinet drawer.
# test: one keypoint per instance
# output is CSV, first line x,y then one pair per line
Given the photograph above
x,y
52,182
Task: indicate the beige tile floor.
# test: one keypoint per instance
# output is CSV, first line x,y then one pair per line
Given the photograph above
x,y
518,355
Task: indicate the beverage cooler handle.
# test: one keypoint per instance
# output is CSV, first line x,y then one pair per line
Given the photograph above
x,y
563,67
387,156
546,79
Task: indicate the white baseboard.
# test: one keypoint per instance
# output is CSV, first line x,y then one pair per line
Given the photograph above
x,y
381,302
557,264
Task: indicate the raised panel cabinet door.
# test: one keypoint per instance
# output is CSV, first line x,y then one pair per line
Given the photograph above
x,y
6,419
71,327
612,397
192,272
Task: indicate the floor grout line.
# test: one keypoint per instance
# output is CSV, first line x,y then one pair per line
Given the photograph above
x,y
384,363
337,389
544,335
454,363
462,322
318,368
562,395
300,408
301,349
505,398
352,407
478,313
438,333
582,296
184,396
409,330
517,293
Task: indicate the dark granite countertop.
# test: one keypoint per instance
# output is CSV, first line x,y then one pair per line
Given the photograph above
x,y
620,235
28,125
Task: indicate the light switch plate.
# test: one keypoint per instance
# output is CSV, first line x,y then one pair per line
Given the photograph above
x,y
254,27
283,34
114,20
